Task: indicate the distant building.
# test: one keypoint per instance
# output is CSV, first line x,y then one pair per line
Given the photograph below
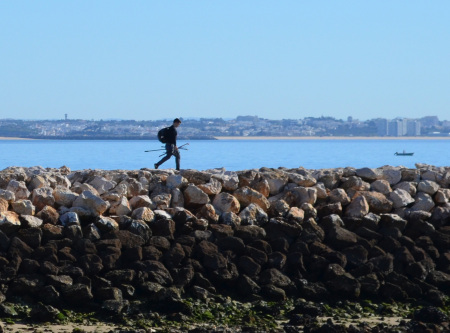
x,y
382,126
429,121
413,128
395,128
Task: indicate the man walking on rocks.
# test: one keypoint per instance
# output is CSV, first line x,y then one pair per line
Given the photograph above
x,y
170,139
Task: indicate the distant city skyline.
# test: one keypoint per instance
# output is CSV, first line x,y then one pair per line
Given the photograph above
x,y
150,60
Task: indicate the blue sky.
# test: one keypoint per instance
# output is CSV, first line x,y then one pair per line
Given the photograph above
x,y
148,60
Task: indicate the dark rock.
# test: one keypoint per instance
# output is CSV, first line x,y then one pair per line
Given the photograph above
x,y
248,266
249,233
246,286
163,227
341,283
369,285
390,291
430,314
277,260
77,294
341,238
31,236
273,293
258,256
121,276
91,264
155,271
129,239
174,256
161,243
41,312
355,255
231,243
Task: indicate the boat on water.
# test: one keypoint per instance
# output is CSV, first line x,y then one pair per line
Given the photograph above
x,y
404,153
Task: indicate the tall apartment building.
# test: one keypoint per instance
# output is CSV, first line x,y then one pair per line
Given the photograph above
x,y
398,127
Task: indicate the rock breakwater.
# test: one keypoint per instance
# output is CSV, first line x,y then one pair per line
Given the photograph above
x,y
111,239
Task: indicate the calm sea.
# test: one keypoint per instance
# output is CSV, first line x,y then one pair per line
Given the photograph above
x,y
230,154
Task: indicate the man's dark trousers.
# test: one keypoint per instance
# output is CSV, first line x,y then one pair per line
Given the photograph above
x,y
170,150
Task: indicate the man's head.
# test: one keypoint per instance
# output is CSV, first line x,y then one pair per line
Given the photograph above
x,y
176,122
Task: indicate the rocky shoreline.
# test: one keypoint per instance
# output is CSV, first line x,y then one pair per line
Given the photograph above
x,y
148,243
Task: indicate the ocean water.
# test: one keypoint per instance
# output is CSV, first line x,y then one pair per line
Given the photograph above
x,y
229,154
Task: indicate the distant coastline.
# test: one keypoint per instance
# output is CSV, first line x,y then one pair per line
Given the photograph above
x,y
4,138
332,137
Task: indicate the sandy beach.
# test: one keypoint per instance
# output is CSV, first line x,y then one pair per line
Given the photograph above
x,y
12,138
331,138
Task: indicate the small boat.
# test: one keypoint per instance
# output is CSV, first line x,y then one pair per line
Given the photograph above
x,y
404,154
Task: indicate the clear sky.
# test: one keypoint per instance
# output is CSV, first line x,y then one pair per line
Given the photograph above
x,y
148,60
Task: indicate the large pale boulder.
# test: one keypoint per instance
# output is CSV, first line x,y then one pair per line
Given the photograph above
x,y
106,224
276,180
262,187
194,196
296,214
3,205
9,222
355,184
141,201
428,186
393,176
176,181
303,195
43,196
91,202
69,218
102,185
81,187
442,196
196,177
378,203
162,201
368,174
23,207
411,175
229,179
358,207
30,221
253,214
225,202
321,190
64,197
212,188
339,195
409,187
144,214
423,201
246,196
306,181
19,188
120,207
134,187
177,198
38,181
7,195
400,198
381,186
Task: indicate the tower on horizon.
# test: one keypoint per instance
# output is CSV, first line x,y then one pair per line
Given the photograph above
x,y
65,116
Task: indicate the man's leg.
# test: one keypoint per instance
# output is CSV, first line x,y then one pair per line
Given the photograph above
x,y
165,158
177,159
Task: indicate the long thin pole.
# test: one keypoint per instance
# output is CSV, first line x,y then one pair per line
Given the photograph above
x,y
180,147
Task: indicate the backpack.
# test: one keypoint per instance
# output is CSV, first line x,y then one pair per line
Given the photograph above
x,y
162,134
